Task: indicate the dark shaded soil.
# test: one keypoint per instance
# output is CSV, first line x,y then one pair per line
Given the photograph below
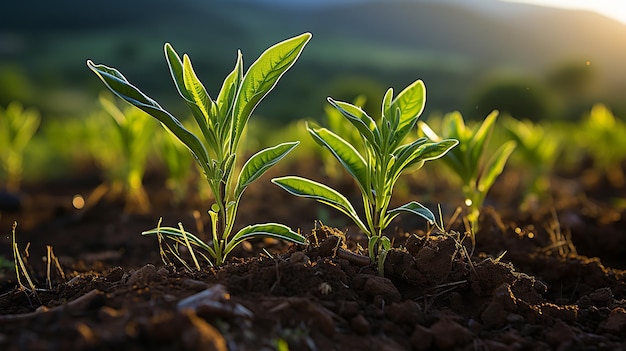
x,y
548,279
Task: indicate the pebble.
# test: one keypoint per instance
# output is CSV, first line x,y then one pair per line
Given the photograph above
x,y
143,275
421,338
449,335
381,286
360,324
615,322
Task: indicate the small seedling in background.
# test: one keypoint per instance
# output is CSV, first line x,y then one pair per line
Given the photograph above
x,y
604,136
221,123
122,151
179,164
469,162
17,127
378,164
537,150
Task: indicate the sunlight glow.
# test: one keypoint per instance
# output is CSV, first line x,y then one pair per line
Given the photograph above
x,y
615,9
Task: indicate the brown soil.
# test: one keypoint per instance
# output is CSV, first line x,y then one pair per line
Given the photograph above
x,y
529,285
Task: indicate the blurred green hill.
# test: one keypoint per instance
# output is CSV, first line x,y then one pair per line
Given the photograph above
x,y
461,49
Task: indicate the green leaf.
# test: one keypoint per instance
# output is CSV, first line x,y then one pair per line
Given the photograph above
x,y
345,153
258,164
433,151
176,70
262,77
495,165
386,105
360,120
118,84
480,137
196,90
272,230
307,188
411,102
414,208
228,92
405,151
425,152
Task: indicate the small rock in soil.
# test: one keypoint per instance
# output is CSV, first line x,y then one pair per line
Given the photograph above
x,y
561,336
360,324
406,312
502,303
299,258
193,285
349,309
383,287
449,334
421,338
143,275
616,322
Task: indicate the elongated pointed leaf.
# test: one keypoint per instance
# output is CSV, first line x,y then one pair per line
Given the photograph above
x,y
433,151
425,152
228,92
196,90
307,188
262,77
480,137
495,165
386,105
176,71
405,151
119,85
258,164
179,236
411,102
360,120
345,153
272,230
414,207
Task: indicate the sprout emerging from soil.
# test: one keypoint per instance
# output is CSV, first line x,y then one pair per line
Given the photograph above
x,y
221,122
375,164
469,161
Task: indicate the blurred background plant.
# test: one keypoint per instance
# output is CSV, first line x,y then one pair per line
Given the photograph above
x,y
603,136
538,148
469,161
17,127
180,167
120,141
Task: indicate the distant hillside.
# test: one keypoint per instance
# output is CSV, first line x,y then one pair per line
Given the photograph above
x,y
452,44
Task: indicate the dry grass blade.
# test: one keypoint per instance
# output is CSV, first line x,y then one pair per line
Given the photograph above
x,y
51,257
20,266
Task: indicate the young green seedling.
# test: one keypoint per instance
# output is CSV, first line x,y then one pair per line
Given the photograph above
x,y
538,150
17,127
469,162
221,123
605,139
376,165
124,154
179,164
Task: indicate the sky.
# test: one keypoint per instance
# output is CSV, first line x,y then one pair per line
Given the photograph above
x,y
615,9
